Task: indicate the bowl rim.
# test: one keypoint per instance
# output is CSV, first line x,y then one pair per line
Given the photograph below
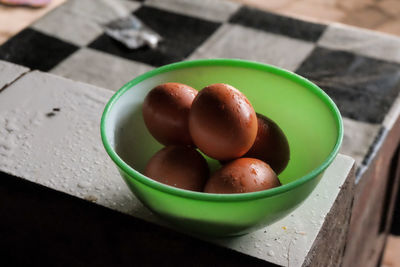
x,y
133,174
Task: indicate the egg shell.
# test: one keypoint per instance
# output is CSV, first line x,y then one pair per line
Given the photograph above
x,y
271,145
222,122
242,175
178,166
166,113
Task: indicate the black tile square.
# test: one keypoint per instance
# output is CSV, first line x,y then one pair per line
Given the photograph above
x,y
278,24
36,50
181,36
363,88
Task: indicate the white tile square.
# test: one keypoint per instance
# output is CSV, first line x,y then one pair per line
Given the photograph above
x,y
81,21
357,139
213,10
102,11
361,41
235,41
101,69
393,114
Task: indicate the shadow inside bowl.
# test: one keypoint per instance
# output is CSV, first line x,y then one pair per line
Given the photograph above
x,y
132,136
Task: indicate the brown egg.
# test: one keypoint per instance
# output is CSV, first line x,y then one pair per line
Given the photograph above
x,y
242,176
178,166
222,122
270,145
165,112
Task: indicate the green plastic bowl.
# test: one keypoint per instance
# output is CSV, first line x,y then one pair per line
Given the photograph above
x,y
308,117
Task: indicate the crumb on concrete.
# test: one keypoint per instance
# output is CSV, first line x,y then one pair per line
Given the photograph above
x,y
91,198
50,114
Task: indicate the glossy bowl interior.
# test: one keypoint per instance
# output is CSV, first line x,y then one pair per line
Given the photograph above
x,y
308,117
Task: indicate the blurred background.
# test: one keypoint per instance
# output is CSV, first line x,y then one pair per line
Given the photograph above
x,y
378,15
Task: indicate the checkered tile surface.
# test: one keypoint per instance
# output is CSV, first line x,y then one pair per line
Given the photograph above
x,y
359,69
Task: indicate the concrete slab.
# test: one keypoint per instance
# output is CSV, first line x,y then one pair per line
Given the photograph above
x,y
51,137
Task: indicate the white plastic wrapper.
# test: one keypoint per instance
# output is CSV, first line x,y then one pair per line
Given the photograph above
x,y
131,32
